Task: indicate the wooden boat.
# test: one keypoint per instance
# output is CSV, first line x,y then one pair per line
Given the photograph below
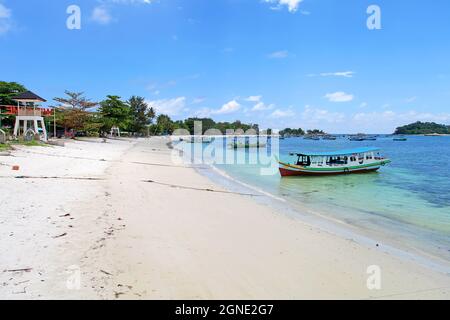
x,y
360,160
312,138
358,137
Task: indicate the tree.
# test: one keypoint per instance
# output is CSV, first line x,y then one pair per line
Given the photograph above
x,y
73,112
292,132
76,100
8,90
316,132
115,113
164,125
141,114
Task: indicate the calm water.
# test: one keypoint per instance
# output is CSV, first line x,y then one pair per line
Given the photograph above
x,y
406,203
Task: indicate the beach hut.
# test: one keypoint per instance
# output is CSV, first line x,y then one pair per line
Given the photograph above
x,y
27,112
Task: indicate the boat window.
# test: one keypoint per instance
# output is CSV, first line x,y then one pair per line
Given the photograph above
x,y
303,161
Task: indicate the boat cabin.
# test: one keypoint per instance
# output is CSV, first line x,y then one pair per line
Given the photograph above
x,y
360,160
342,158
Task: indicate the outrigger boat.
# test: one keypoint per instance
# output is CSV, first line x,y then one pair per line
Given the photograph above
x,y
360,160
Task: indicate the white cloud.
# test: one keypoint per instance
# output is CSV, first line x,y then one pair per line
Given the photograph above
x,y
101,15
5,19
198,100
279,113
292,5
339,97
363,105
345,74
4,12
279,54
314,116
254,98
171,107
229,107
261,106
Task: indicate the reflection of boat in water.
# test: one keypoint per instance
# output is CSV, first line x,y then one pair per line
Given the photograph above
x,y
360,160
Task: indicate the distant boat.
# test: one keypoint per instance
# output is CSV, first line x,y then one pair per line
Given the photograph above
x,y
247,145
401,139
360,160
204,140
329,137
362,137
312,138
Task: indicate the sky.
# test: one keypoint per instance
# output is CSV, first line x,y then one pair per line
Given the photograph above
x,y
278,63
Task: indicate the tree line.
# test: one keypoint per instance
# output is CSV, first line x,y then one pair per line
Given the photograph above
x,y
288,132
77,114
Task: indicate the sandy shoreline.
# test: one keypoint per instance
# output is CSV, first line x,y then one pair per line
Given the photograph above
x,y
128,238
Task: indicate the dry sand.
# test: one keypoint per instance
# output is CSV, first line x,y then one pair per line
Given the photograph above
x,y
131,239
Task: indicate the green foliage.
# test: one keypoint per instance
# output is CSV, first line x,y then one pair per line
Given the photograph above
x,y
8,90
73,113
141,115
164,125
292,132
315,132
76,100
423,128
208,124
115,113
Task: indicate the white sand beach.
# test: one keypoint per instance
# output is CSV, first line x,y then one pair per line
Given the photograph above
x,y
89,206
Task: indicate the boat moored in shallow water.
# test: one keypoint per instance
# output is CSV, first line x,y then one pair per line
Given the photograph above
x,y
359,160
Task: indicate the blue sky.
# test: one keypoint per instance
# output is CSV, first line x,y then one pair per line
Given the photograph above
x,y
279,63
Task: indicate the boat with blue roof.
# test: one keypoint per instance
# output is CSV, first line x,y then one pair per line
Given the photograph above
x,y
359,160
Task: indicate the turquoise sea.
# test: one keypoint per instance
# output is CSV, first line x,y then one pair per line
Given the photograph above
x,y
406,204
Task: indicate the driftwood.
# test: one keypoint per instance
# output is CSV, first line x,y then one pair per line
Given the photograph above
x,y
200,189
59,178
105,272
19,270
60,236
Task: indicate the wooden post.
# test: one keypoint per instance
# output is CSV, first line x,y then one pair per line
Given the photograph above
x,y
54,123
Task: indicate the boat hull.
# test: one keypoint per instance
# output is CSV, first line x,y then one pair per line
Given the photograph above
x,y
287,170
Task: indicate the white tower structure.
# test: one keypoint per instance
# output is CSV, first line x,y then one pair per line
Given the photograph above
x,y
28,116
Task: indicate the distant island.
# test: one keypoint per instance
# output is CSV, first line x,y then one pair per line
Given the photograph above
x,y
423,128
